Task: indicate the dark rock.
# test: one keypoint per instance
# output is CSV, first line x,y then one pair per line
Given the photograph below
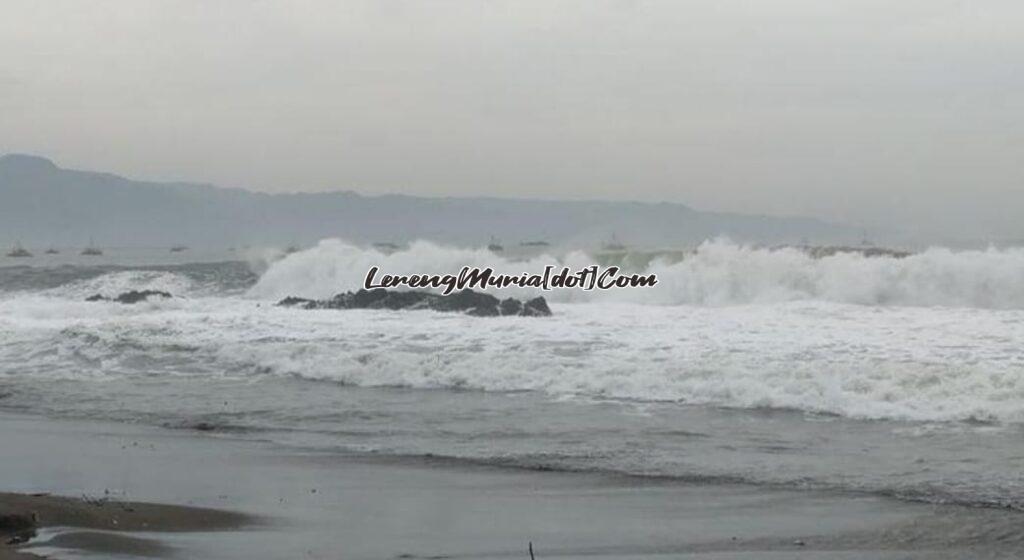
x,y
298,302
484,311
404,300
467,301
134,296
340,301
869,252
367,299
510,306
536,307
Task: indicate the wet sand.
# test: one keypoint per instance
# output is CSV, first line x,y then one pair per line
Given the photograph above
x,y
306,505
99,524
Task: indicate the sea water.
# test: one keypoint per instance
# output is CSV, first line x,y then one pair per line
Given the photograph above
x,y
897,376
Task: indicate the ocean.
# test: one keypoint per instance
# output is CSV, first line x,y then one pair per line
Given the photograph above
x,y
902,377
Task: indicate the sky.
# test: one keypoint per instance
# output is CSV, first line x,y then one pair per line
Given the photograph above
x,y
898,114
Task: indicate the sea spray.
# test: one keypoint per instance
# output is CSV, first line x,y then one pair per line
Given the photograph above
x,y
716,273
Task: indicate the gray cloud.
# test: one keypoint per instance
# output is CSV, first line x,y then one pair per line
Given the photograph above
x,y
901,114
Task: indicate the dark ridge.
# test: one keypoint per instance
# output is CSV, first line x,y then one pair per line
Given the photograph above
x,y
134,296
36,195
469,302
832,250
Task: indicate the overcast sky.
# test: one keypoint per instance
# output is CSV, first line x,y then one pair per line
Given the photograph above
x,y
880,112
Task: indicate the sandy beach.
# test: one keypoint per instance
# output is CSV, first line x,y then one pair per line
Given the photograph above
x,y
269,502
100,525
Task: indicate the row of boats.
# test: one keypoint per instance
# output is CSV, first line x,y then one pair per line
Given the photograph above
x,y
495,246
612,245
19,252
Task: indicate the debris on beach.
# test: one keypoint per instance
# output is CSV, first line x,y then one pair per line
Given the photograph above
x,y
18,528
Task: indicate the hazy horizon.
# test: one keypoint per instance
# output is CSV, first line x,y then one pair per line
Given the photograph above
x,y
903,117
42,201
512,197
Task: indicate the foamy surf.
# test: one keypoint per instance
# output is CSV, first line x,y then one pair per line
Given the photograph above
x,y
716,273
748,364
906,363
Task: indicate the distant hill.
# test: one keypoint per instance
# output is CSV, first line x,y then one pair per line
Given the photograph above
x,y
41,203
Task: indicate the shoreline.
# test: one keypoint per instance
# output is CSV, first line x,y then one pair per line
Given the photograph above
x,y
100,525
290,504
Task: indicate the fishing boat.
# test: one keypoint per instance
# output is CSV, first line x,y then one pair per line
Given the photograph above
x,y
17,251
179,248
386,246
92,250
494,246
614,245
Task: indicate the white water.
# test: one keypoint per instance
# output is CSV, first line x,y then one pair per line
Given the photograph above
x,y
934,338
855,361
737,327
719,273
114,283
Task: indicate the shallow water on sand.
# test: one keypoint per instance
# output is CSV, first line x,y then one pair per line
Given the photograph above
x,y
331,505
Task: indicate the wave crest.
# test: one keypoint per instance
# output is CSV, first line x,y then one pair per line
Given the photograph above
x,y
716,273
114,283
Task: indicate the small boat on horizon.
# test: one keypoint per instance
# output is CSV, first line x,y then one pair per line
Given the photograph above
x,y
179,248
494,246
614,245
92,250
17,251
52,251
386,246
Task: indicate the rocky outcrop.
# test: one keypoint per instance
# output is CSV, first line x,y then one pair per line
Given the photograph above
x,y
820,252
134,296
467,301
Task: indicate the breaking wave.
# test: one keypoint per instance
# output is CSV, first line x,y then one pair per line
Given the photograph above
x,y
716,273
114,283
933,336
910,363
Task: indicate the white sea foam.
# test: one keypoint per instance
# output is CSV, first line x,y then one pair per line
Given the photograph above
x,y
717,273
334,266
934,336
114,283
857,361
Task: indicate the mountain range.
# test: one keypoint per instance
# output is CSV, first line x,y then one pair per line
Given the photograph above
x,y
42,203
